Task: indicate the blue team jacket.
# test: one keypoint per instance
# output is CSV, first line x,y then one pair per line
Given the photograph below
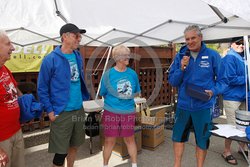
x,y
54,81
206,71
235,71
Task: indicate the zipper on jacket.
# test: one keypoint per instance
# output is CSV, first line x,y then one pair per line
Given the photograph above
x,y
192,69
191,103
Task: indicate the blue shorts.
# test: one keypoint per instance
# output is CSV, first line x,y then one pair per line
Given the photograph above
x,y
200,121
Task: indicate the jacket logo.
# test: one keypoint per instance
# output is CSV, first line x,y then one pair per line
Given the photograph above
x,y
204,57
204,64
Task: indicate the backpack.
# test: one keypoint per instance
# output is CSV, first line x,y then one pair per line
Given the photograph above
x,y
92,124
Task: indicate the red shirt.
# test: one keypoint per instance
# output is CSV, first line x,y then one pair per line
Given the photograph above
x,y
9,108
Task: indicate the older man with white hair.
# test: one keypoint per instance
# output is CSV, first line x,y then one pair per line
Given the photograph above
x,y
11,138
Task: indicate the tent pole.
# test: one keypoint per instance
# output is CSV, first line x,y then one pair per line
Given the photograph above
x,y
24,29
41,35
33,43
14,29
219,14
150,29
17,44
140,35
96,39
95,73
204,27
247,69
104,69
107,44
59,14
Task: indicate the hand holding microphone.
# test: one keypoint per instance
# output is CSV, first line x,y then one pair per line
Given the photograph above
x,y
185,60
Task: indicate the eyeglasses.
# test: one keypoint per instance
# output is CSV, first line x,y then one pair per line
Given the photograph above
x,y
125,57
239,43
122,57
76,35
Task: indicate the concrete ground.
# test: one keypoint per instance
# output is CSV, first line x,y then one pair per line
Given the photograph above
x,y
38,156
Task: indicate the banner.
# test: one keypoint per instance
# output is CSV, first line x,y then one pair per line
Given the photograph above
x,y
28,58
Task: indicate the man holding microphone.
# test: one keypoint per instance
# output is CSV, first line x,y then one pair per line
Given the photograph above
x,y
198,74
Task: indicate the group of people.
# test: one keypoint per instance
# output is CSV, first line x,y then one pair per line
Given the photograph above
x,y
62,90
198,67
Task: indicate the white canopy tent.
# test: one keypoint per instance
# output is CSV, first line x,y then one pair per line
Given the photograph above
x,y
110,22
140,22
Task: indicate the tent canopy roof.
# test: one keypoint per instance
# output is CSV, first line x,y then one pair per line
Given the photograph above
x,y
110,22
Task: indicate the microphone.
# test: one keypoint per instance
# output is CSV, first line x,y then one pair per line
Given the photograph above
x,y
187,53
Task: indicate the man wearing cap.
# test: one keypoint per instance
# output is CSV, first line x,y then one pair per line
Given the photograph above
x,y
234,95
61,88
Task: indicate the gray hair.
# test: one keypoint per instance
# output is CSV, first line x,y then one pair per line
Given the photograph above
x,y
193,27
2,33
119,51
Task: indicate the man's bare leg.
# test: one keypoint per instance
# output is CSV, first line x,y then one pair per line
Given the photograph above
x,y
178,152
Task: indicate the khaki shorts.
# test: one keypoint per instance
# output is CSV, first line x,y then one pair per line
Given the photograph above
x,y
14,147
230,108
67,131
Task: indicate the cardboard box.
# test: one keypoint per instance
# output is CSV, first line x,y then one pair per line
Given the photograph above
x,y
152,136
120,148
156,117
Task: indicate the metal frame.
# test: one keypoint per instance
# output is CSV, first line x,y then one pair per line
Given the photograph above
x,y
135,35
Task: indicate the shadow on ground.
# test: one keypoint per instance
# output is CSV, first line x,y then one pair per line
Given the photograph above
x,y
163,156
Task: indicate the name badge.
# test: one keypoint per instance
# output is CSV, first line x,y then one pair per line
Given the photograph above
x,y
204,57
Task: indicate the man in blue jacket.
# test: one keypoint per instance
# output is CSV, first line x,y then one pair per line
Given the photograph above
x,y
234,97
198,74
61,88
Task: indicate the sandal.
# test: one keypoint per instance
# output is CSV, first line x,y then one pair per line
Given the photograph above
x,y
229,159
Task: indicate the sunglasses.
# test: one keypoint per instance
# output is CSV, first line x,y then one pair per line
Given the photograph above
x,y
76,35
239,43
